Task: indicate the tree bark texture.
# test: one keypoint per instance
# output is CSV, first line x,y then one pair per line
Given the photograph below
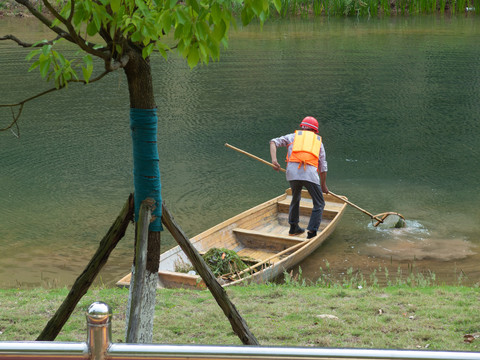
x,y
83,282
238,324
144,124
139,78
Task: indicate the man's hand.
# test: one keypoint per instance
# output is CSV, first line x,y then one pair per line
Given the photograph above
x,y
324,188
323,182
276,165
273,154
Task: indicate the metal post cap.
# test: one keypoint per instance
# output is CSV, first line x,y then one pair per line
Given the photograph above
x,y
99,313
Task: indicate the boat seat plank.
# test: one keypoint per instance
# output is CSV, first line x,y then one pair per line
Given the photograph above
x,y
257,254
329,212
263,240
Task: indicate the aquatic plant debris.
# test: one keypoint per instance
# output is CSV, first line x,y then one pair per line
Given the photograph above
x,y
223,261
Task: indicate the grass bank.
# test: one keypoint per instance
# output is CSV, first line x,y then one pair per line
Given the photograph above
x,y
398,317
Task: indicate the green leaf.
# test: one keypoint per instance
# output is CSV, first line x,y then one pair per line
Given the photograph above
x,y
262,17
32,54
247,16
136,36
203,51
219,31
92,28
79,16
162,49
86,74
180,47
145,33
178,31
194,5
115,5
46,49
147,50
192,57
216,13
202,30
182,17
257,6
187,30
214,51
97,20
34,65
142,6
87,60
166,21
278,5
88,6
44,67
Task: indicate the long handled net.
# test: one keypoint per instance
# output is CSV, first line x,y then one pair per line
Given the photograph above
x,y
386,220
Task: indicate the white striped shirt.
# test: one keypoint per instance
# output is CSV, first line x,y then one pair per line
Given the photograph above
x,y
295,173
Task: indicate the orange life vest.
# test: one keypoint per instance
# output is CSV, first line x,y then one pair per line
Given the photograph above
x,y
305,148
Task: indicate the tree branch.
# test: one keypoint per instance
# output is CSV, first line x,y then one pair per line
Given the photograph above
x,y
116,64
24,44
16,117
62,33
77,39
72,10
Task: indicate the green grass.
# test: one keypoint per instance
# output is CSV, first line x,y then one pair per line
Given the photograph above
x,y
293,314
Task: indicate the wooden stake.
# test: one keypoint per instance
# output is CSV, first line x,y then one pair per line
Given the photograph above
x,y
140,314
239,326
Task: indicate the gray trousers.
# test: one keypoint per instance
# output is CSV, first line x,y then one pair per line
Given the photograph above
x,y
315,192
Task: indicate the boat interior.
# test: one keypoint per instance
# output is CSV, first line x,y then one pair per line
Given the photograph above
x,y
258,235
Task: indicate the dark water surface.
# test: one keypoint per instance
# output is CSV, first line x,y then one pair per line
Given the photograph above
x,y
398,103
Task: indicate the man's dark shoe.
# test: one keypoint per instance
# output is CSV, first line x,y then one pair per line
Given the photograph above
x,y
311,234
295,230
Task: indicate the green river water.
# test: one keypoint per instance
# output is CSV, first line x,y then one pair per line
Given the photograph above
x,y
398,105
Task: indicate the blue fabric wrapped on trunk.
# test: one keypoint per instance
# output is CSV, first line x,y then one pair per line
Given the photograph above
x,y
146,172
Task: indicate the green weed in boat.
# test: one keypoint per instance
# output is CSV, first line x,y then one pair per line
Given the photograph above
x,y
222,261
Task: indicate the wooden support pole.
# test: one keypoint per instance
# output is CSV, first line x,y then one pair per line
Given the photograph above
x,y
140,319
239,326
86,278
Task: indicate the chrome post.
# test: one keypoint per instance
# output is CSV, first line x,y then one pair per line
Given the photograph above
x,y
99,332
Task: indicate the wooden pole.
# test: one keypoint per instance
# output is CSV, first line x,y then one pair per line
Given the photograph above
x,y
239,326
358,208
379,220
139,318
252,156
86,278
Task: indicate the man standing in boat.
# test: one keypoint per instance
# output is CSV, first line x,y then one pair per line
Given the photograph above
x,y
305,160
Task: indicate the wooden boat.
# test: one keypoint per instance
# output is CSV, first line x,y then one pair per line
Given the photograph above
x,y
259,234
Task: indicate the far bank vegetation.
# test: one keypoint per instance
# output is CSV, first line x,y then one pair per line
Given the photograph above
x,y
329,8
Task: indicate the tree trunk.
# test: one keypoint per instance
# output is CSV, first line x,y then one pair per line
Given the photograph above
x,y
143,122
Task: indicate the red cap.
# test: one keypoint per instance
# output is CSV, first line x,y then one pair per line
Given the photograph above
x,y
311,123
